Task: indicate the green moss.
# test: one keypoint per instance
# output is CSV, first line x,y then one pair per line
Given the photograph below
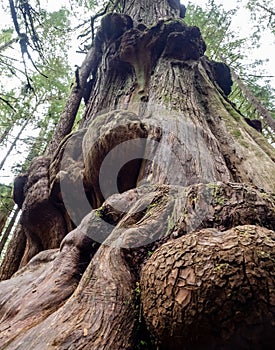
x,y
185,213
170,225
245,233
137,289
221,267
99,212
231,110
151,206
216,193
87,277
244,144
236,133
265,255
259,154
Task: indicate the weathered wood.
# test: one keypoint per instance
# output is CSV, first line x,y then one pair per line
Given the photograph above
x,y
101,314
212,290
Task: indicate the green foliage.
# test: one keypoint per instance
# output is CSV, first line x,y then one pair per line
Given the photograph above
x,y
37,94
263,15
223,44
86,4
5,36
34,87
215,25
53,31
265,94
6,201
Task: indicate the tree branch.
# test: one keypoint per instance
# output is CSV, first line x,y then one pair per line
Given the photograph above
x,y
266,9
8,44
67,118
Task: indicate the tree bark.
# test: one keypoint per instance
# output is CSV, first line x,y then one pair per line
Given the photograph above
x,y
7,232
14,254
195,317
3,220
100,314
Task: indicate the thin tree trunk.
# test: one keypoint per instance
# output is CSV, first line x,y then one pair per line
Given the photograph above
x,y
3,219
67,118
34,151
8,230
4,134
263,112
269,10
14,253
7,206
14,142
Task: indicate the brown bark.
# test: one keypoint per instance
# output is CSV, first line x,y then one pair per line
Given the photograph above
x,y
3,220
44,284
99,301
191,175
43,223
7,231
202,291
14,254
149,12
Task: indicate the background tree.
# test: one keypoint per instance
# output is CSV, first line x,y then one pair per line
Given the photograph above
x,y
34,97
6,205
251,93
39,86
262,14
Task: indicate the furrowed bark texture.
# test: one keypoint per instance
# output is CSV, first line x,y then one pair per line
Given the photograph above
x,y
154,223
202,292
3,220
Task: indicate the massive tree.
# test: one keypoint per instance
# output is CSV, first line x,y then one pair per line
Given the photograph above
x,y
153,224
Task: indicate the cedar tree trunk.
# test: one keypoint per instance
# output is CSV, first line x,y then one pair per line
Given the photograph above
x,y
152,226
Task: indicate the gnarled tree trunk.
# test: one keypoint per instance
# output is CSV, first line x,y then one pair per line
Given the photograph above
x,y
153,225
